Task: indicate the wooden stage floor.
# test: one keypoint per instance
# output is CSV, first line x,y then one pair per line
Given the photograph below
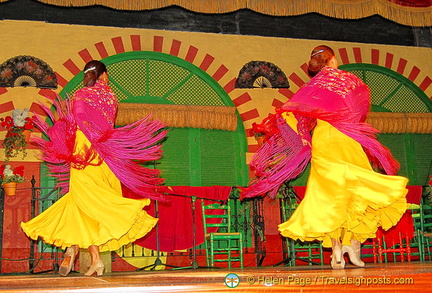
x,y
390,277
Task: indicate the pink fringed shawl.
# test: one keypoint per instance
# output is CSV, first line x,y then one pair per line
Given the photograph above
x,y
335,96
123,149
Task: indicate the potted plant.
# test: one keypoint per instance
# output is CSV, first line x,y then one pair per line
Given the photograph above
x,y
18,127
10,178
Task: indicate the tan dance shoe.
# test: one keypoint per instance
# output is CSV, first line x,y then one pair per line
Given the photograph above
x,y
69,260
337,260
354,255
98,268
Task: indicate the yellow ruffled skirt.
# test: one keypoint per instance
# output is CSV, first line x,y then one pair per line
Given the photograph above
x,y
345,199
93,212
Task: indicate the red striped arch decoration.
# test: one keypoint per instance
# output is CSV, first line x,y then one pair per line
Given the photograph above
x,y
222,74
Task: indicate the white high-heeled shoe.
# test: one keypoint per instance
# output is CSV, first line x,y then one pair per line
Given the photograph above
x,y
353,255
337,260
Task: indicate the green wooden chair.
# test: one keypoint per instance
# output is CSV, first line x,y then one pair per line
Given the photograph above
x,y
397,248
417,245
221,243
369,250
426,230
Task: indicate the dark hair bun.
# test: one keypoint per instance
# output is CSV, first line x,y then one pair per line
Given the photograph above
x,y
92,71
320,57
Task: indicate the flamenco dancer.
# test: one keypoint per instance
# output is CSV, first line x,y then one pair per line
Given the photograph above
x,y
90,159
346,200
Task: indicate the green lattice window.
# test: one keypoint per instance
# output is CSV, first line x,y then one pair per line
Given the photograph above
x,y
156,78
390,91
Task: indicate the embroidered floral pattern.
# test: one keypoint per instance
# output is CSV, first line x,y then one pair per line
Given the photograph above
x,y
100,97
330,79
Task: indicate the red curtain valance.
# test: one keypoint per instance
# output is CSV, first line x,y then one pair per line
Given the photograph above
x,y
406,12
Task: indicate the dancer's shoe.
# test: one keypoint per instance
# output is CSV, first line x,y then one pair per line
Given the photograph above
x,y
68,263
337,261
353,255
97,267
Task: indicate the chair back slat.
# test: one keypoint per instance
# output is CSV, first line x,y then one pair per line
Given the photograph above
x,y
221,244
216,217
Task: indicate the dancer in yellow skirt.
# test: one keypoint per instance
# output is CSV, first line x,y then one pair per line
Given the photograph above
x,y
89,156
345,200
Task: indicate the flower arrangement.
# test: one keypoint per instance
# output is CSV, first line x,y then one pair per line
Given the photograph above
x,y
9,175
265,129
17,126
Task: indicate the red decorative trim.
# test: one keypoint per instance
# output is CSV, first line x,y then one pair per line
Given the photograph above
x,y
296,79
414,73
100,47
136,42
243,99
375,56
85,55
249,115
157,43
389,60
305,68
191,54
252,148
5,107
277,103
118,44
175,47
425,83
230,86
344,56
47,93
220,72
207,61
71,66
286,92
401,66
35,108
60,80
357,55
3,90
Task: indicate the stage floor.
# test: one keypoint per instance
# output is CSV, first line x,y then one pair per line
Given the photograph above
x,y
391,277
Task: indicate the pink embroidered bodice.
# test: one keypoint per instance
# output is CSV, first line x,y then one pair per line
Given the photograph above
x,y
101,98
336,80
332,92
